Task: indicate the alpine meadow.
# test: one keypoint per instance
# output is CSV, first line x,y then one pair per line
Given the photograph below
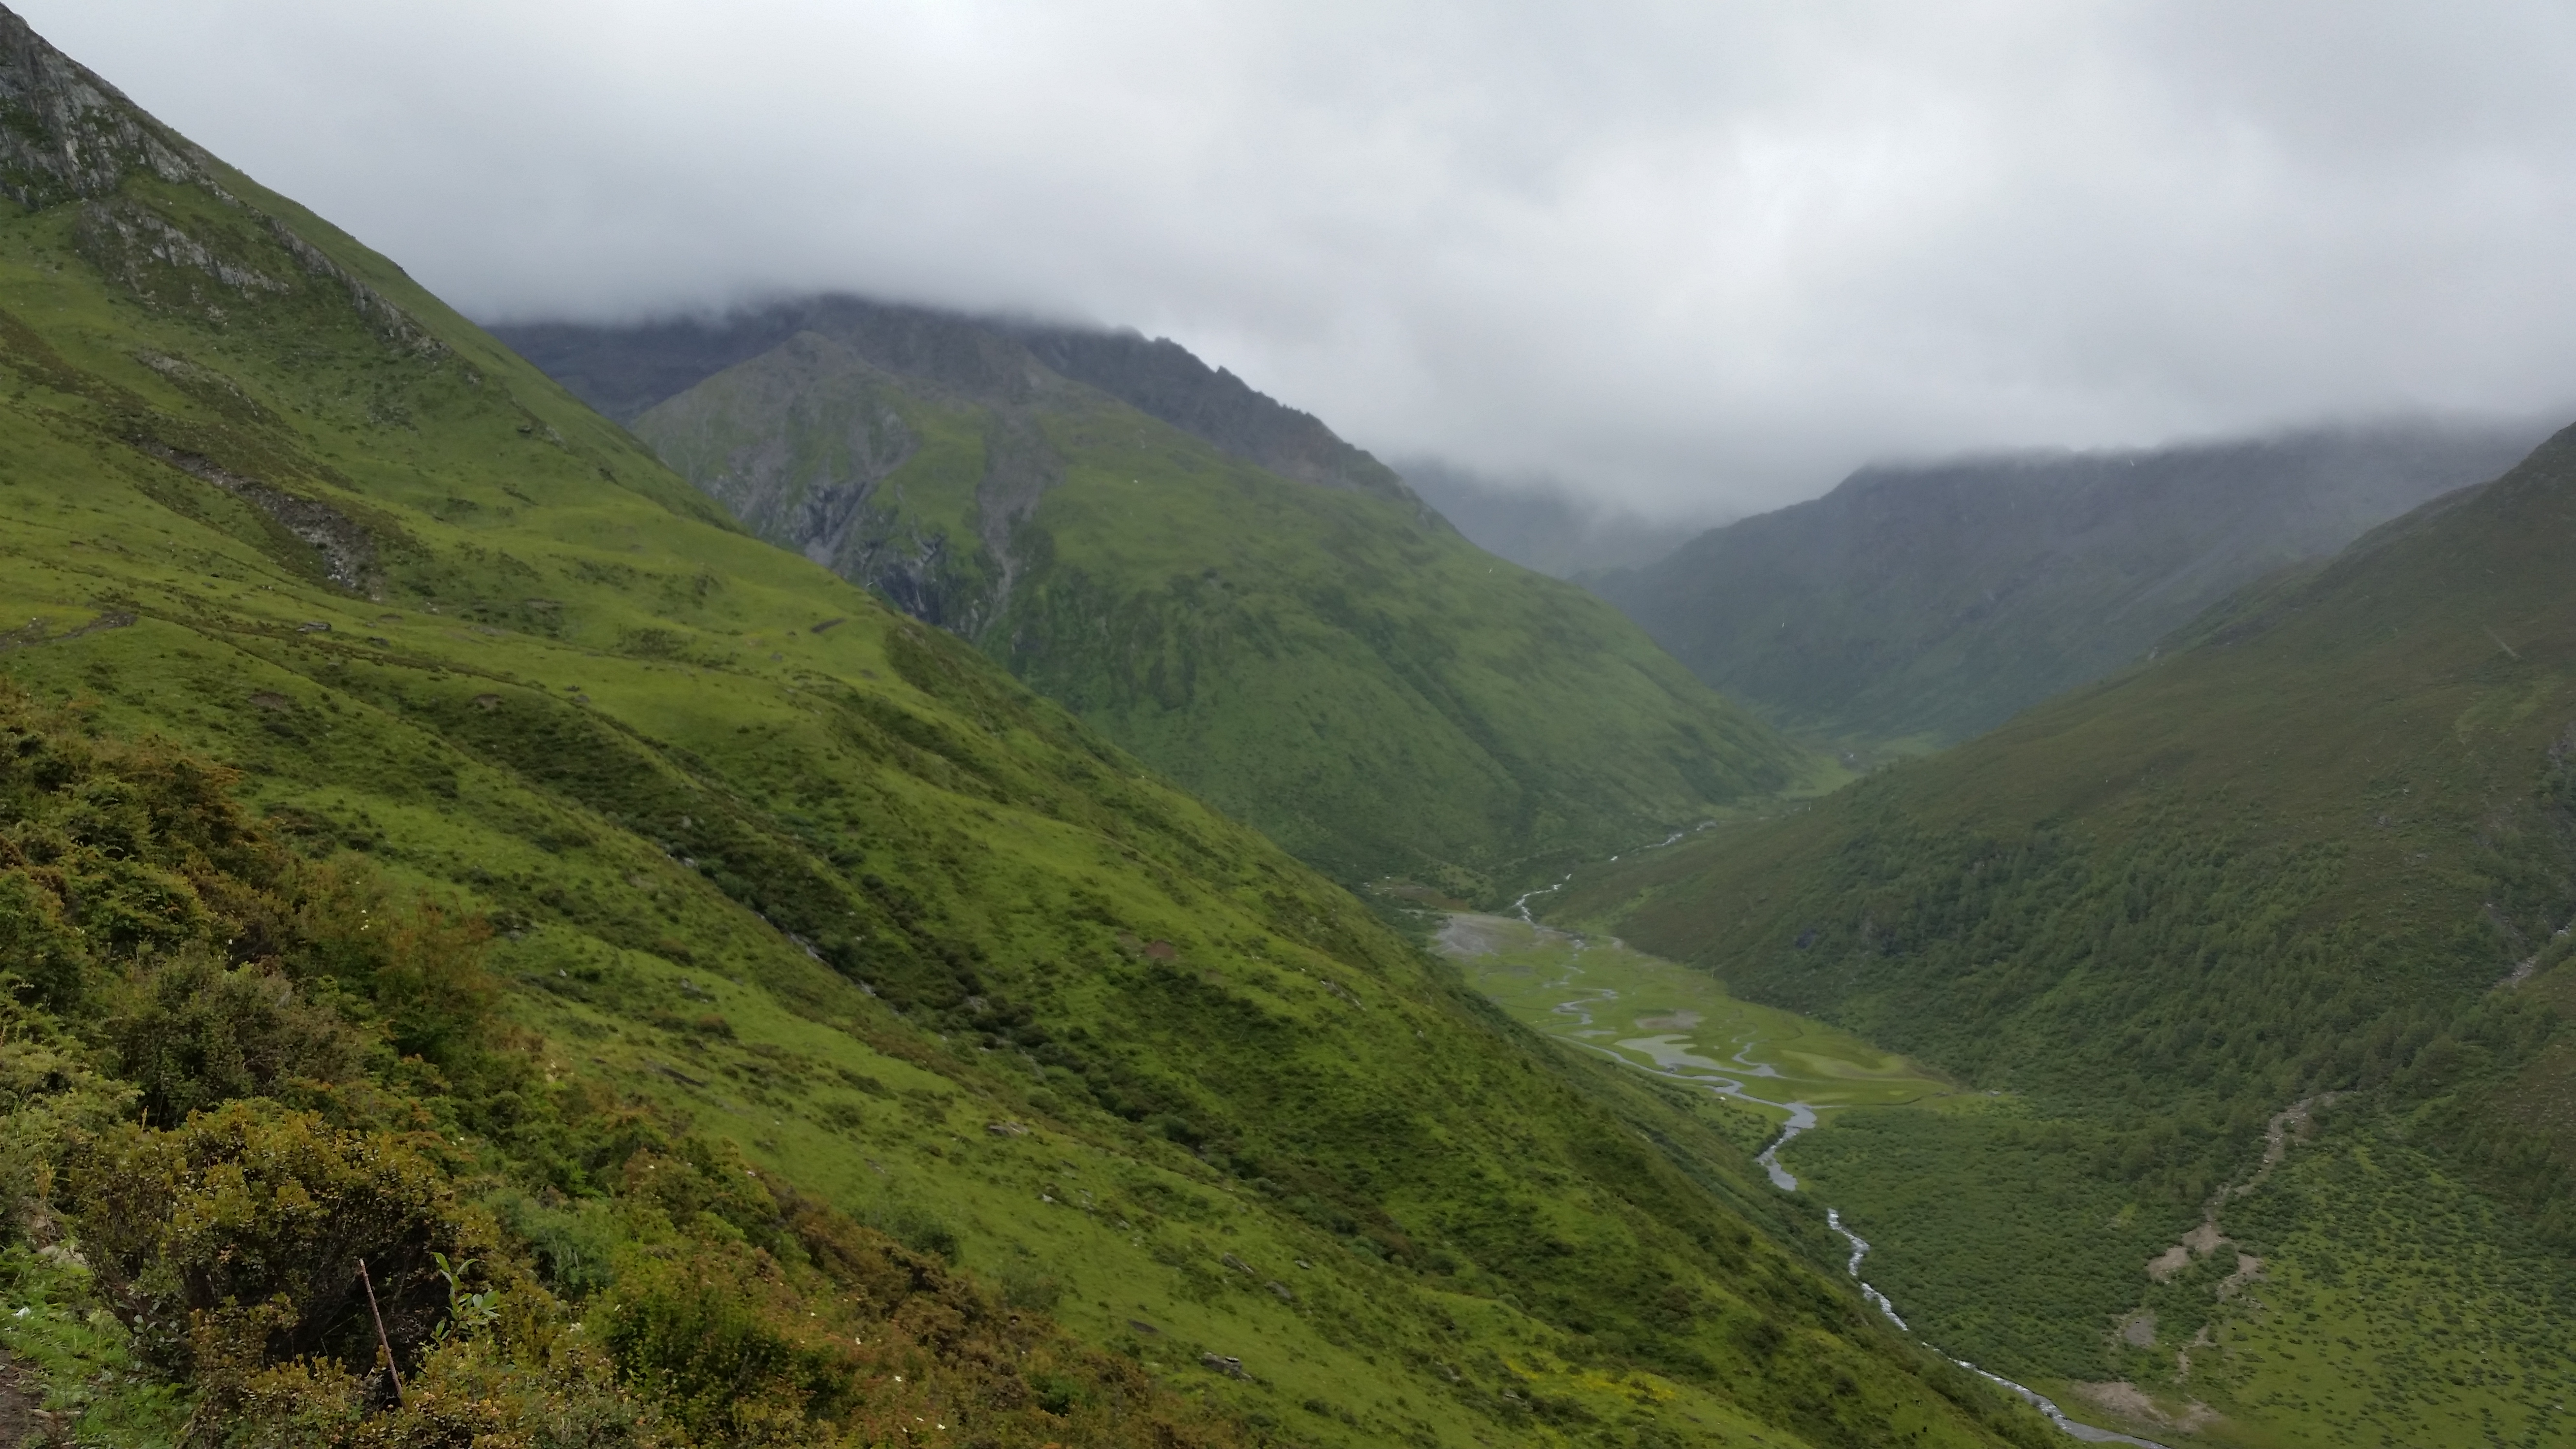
x,y
855,871
476,914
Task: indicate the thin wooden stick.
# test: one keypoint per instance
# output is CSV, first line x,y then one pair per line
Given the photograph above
x,y
381,1341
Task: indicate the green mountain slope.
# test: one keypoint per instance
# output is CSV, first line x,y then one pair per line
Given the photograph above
x,y
1926,604
2297,892
1216,582
434,839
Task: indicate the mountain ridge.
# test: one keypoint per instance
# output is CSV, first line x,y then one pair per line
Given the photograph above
x,y
1333,664
626,371
1930,602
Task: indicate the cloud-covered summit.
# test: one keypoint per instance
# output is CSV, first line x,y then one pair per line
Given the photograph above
x,y
1714,254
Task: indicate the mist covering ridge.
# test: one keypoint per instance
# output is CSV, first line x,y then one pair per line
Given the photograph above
x,y
625,370
1925,602
1546,523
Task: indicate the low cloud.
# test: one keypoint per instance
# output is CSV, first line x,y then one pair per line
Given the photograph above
x,y
1688,257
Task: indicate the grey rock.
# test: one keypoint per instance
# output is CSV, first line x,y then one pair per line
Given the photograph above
x,y
65,134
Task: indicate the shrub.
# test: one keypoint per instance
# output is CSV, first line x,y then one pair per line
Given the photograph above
x,y
234,1242
40,953
50,1095
193,1034
420,967
708,1329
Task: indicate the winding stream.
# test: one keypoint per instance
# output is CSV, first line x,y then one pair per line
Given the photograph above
x,y
2036,1399
1674,1063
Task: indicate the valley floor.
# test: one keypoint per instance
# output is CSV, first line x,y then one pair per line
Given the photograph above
x,y
2342,1291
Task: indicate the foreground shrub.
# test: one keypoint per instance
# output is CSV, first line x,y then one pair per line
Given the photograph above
x,y
234,1241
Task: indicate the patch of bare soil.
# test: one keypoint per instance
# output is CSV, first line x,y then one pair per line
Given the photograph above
x,y
2248,1268
2126,1400
21,1422
2289,1125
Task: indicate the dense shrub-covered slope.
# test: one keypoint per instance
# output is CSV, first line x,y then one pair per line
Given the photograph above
x,y
714,1008
270,1107
2324,850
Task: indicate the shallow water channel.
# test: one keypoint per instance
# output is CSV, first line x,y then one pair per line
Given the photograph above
x,y
1655,1016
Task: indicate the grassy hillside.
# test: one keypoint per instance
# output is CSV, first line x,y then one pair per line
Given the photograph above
x,y
2306,879
714,1008
1262,612
1917,606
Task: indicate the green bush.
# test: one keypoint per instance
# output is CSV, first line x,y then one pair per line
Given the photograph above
x,y
51,1094
696,1328
235,1241
193,1034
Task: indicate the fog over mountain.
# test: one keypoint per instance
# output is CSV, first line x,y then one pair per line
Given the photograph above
x,y
1703,259
1547,523
1929,602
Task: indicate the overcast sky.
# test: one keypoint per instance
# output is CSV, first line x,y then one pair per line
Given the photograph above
x,y
1694,256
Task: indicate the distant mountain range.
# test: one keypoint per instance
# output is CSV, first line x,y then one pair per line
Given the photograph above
x,y
1922,604
625,371
1216,580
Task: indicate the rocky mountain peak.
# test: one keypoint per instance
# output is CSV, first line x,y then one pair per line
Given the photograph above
x,y
67,135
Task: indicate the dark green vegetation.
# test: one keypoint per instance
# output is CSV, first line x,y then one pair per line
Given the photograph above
x,y
716,1008
2325,845
1914,607
363,1140
1214,581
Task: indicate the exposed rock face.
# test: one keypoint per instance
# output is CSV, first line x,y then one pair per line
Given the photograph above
x,y
346,550
66,135
1162,379
801,442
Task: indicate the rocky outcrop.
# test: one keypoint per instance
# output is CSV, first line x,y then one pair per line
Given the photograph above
x,y
1162,379
66,135
801,444
344,548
